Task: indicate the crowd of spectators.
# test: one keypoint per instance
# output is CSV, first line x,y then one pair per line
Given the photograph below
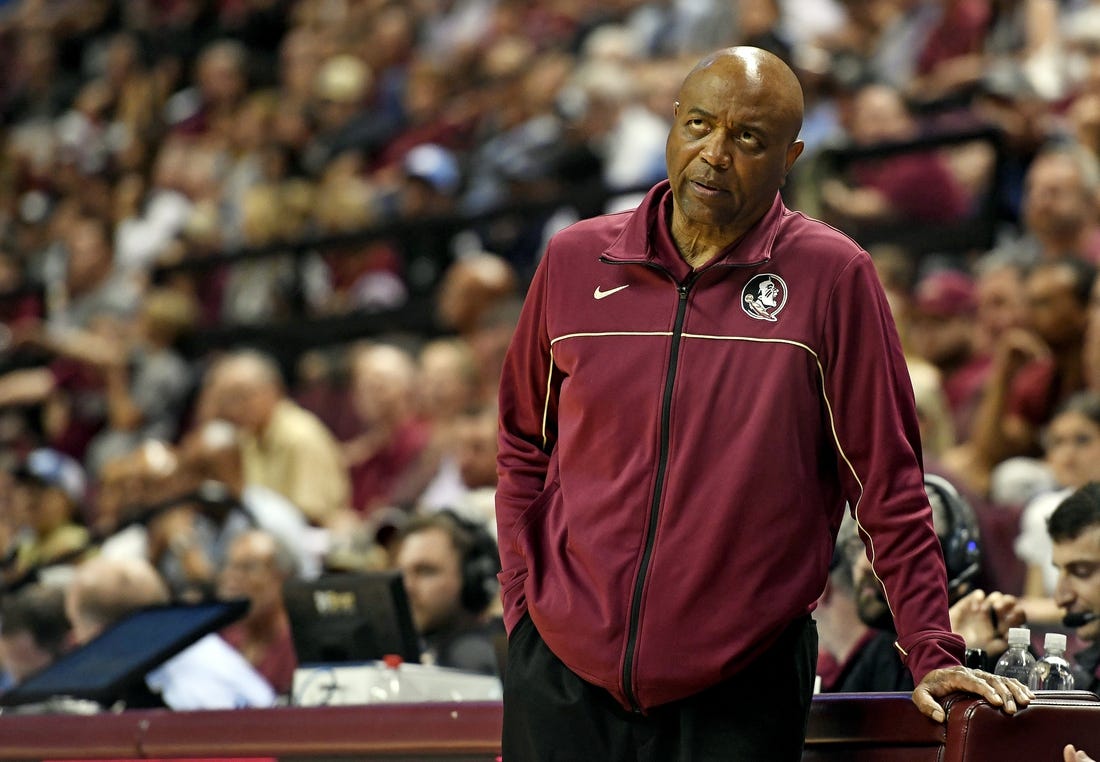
x,y
174,169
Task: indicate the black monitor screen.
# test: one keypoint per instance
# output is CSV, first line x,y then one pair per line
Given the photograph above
x,y
106,667
351,617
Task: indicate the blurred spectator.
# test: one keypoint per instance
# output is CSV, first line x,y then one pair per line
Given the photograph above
x,y
392,438
255,568
1034,368
33,631
944,332
285,447
470,287
206,108
213,456
467,479
446,387
136,380
50,491
341,93
210,674
1060,207
914,186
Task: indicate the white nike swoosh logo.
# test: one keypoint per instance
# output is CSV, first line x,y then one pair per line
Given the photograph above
x,y
601,294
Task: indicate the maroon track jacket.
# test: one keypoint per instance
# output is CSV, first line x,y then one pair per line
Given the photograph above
x,y
677,449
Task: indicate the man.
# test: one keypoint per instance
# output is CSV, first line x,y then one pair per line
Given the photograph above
x,y
33,630
1036,368
1059,206
256,568
210,674
449,567
1075,531
50,491
286,448
673,468
982,619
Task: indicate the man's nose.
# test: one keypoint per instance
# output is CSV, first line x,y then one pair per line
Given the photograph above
x,y
716,151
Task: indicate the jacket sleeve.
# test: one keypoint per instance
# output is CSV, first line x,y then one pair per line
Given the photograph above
x,y
878,447
526,437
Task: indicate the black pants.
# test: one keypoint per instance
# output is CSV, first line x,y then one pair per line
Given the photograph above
x,y
759,715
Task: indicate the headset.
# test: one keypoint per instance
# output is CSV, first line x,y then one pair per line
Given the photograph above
x,y
957,527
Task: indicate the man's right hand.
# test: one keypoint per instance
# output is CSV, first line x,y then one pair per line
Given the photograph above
x,y
1070,754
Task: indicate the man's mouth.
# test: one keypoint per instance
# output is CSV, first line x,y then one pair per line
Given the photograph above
x,y
706,189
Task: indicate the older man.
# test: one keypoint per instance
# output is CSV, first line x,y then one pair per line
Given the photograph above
x,y
674,463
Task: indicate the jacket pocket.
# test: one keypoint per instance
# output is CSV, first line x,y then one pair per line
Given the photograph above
x,y
533,513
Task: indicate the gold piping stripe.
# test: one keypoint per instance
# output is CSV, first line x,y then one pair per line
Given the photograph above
x,y
609,333
824,395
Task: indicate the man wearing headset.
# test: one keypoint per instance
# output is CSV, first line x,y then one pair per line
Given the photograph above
x,y
982,619
449,566
1074,529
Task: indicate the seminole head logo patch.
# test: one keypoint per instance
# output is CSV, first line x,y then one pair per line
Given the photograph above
x,y
764,297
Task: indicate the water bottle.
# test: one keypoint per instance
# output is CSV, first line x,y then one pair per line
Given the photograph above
x,y
1052,672
1017,661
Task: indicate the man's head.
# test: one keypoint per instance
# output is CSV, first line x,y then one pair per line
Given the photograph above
x,y
1060,197
245,387
957,529
734,138
50,486
1058,295
944,303
104,590
33,629
448,570
1074,529
880,115
255,567
382,380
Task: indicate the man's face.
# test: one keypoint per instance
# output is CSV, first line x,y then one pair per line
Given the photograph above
x,y
1056,202
870,598
1054,312
1072,445
730,146
433,578
21,656
1078,590
250,572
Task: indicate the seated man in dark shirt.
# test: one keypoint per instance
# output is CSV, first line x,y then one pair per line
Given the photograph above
x,y
870,661
450,568
1075,531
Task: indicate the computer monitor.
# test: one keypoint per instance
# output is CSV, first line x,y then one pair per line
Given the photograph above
x,y
351,617
112,665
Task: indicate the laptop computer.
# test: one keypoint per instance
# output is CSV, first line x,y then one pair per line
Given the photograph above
x,y
351,617
112,666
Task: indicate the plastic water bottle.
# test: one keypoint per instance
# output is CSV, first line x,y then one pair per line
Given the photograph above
x,y
1052,672
1017,661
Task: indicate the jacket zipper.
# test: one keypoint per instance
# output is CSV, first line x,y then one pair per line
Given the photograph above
x,y
654,508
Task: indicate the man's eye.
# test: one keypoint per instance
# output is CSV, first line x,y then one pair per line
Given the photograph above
x,y
747,137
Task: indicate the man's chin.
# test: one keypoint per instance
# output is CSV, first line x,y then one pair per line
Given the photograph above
x,y
1089,632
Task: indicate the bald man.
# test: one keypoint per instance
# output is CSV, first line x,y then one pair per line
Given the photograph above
x,y
209,674
285,447
695,392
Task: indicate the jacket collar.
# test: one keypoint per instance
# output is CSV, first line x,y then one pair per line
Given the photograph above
x,y
647,237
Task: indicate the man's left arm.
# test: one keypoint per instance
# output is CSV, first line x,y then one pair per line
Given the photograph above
x,y
878,443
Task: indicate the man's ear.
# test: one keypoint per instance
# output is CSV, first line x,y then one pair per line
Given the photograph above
x,y
675,107
793,152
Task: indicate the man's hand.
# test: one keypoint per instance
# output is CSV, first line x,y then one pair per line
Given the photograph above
x,y
1070,754
1005,692
984,620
